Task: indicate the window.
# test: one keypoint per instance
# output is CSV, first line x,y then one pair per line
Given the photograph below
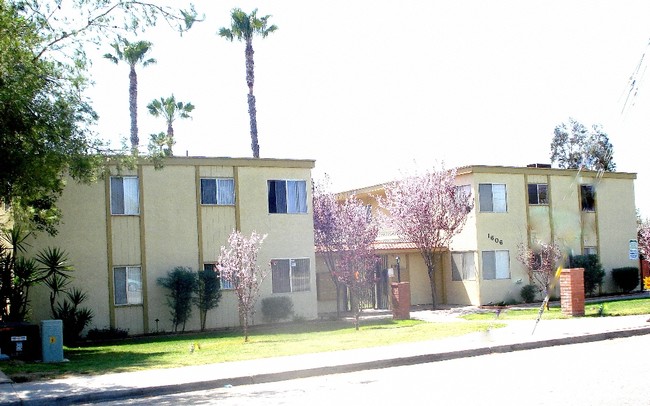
x,y
218,191
225,284
587,198
290,275
124,195
537,193
127,285
492,197
287,196
496,264
464,194
464,190
589,251
462,266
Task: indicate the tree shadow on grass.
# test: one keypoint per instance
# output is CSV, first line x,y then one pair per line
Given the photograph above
x,y
92,362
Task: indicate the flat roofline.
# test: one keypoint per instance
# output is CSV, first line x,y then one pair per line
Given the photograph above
x,y
228,161
466,170
462,170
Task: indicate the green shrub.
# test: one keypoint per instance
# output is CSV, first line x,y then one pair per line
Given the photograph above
x,y
277,308
208,293
74,317
181,283
528,293
110,333
594,272
626,279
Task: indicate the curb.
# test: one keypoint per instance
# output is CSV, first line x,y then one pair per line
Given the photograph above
x,y
121,394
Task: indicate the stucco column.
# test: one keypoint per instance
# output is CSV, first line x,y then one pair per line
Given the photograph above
x,y
572,291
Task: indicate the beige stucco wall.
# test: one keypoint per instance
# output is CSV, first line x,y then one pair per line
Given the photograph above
x,y
502,231
289,236
466,292
169,213
82,234
566,213
616,225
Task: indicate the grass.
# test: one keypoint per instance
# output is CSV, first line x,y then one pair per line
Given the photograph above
x,y
624,307
224,346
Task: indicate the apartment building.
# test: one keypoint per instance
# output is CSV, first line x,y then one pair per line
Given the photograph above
x,y
126,231
585,212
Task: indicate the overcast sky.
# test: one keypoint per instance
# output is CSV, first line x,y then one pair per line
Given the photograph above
x,y
373,88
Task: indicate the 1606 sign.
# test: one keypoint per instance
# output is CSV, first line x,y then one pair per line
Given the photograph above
x,y
495,239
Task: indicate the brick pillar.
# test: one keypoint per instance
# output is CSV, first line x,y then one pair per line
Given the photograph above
x,y
572,291
401,300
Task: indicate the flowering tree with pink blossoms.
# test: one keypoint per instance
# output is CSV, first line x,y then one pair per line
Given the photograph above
x,y
238,265
344,234
427,210
326,235
541,263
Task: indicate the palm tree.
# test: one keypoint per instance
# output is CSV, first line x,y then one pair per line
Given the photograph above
x,y
170,110
244,27
133,54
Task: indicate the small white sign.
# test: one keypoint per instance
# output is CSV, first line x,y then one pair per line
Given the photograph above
x,y
18,338
634,249
391,273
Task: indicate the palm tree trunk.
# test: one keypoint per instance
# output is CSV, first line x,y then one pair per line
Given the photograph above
x,y
252,112
170,138
133,109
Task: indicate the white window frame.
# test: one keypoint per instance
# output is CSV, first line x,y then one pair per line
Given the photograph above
x,y
131,290
125,199
467,271
589,250
289,203
538,201
500,262
304,286
497,201
221,197
224,283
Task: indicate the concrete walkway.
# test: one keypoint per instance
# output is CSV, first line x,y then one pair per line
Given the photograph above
x,y
517,335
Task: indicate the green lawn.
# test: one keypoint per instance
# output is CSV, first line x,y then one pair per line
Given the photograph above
x,y
285,339
625,307
290,339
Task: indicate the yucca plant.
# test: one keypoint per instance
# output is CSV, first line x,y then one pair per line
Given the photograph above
x,y
55,271
74,317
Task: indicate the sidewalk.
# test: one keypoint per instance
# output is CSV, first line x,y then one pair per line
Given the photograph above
x,y
516,336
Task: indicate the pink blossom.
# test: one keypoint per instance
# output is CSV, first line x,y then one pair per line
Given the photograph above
x,y
238,265
427,210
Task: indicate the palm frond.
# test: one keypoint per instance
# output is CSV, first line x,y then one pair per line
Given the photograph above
x,y
54,261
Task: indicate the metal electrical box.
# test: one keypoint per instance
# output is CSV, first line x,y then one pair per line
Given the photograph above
x,y
20,341
52,340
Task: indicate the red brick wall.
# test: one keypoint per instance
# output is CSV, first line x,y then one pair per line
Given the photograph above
x,y
572,292
401,300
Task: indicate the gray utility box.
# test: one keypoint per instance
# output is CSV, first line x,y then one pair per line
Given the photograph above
x,y
52,340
